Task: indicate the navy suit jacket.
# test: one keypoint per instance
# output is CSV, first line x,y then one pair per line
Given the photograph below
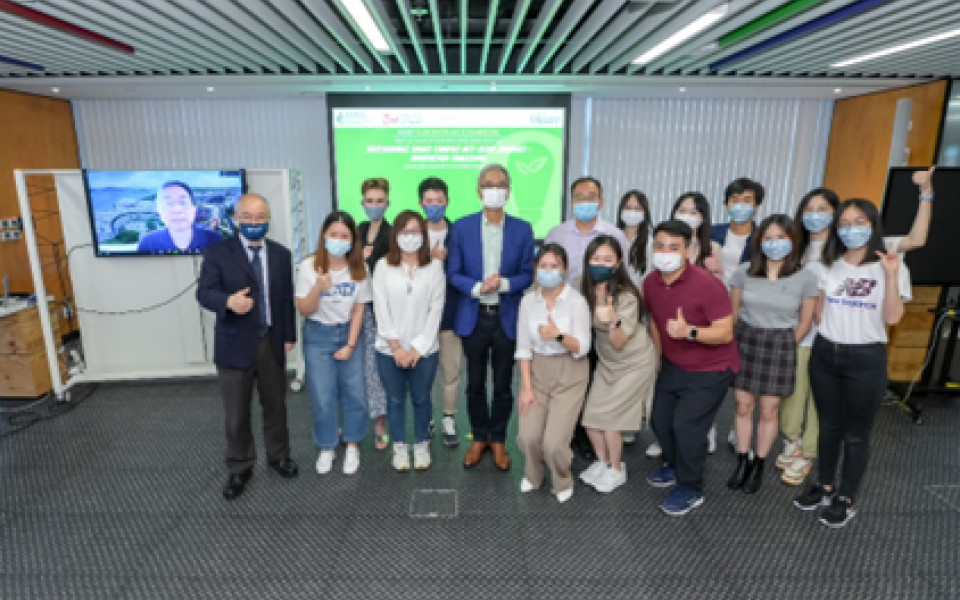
x,y
226,270
465,269
719,231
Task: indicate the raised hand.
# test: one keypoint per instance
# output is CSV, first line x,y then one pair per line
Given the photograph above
x,y
240,302
324,281
889,260
367,251
438,252
548,330
924,179
606,313
678,328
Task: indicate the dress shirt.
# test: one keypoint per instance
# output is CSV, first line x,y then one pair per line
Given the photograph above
x,y
570,313
266,275
408,305
575,242
492,240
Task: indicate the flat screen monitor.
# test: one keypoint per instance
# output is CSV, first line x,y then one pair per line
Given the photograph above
x,y
161,213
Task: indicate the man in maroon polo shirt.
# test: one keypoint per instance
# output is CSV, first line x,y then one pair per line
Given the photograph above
x,y
693,331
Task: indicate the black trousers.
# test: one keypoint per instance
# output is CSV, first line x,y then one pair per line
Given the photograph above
x,y
489,344
685,404
848,384
236,387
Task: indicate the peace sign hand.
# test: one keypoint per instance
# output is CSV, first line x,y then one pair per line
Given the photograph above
x,y
889,260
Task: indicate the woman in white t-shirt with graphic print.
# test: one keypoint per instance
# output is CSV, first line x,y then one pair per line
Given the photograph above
x,y
332,290
862,291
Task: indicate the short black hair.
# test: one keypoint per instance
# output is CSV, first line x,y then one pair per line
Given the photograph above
x,y
432,184
675,228
744,184
179,184
586,179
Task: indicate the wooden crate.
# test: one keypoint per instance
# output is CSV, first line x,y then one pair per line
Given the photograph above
x,y
23,358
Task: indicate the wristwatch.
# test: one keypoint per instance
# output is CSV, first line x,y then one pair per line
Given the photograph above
x,y
692,336
559,338
616,325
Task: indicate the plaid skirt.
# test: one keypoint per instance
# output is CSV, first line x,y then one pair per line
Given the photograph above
x,y
768,360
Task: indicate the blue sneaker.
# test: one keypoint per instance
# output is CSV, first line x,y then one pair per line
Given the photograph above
x,y
681,501
664,477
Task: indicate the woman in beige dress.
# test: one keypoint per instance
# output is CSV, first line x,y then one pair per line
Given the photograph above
x,y
622,388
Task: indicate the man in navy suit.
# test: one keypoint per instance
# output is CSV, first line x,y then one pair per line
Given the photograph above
x,y
490,262
248,282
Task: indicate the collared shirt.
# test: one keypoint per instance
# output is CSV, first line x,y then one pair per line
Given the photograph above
x,y
408,305
266,275
570,313
575,242
492,241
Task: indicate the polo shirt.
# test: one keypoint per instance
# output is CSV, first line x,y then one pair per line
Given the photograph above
x,y
704,299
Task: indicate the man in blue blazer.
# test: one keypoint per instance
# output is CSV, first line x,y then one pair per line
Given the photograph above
x,y
490,262
248,282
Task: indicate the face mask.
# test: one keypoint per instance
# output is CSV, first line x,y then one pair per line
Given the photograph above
x,y
254,231
375,212
410,242
601,273
855,236
667,262
586,211
694,221
741,212
816,222
434,212
549,278
337,247
632,218
777,249
494,198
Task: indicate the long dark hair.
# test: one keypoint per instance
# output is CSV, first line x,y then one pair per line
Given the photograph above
x,y
802,234
758,260
835,249
637,255
321,258
701,234
394,254
619,283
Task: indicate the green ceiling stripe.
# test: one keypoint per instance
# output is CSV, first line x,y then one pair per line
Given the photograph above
x,y
771,18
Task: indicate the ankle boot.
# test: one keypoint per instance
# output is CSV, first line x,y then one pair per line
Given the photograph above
x,y
741,472
754,477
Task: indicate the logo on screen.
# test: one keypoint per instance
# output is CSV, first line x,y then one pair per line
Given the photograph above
x,y
351,117
534,166
545,118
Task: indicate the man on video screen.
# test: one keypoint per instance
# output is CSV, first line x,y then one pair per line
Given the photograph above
x,y
178,211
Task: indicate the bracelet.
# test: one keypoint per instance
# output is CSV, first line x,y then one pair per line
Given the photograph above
x,y
926,196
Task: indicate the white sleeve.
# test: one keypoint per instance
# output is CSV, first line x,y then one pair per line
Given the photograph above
x,y
431,326
381,304
523,329
581,326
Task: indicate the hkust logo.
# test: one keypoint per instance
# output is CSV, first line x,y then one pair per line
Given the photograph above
x,y
534,166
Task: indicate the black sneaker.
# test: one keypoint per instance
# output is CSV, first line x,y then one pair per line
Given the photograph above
x,y
815,497
838,513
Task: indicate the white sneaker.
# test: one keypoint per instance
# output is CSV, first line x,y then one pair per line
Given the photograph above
x,y
526,486
791,451
712,440
325,461
591,473
421,456
654,450
401,458
351,462
565,495
797,471
611,479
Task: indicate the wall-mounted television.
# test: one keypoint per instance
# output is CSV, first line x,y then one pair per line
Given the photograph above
x,y
161,213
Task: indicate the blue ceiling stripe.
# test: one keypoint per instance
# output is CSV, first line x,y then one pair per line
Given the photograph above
x,y
20,63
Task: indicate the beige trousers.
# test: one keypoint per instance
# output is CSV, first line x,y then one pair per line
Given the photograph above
x,y
451,365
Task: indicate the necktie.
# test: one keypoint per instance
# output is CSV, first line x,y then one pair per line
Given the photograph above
x,y
261,288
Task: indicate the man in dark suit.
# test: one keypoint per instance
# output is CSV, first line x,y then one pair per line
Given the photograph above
x,y
490,262
247,281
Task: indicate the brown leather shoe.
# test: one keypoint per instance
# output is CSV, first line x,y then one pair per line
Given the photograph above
x,y
474,454
501,457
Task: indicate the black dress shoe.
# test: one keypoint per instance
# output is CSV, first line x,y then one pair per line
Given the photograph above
x,y
285,468
236,484
741,472
755,477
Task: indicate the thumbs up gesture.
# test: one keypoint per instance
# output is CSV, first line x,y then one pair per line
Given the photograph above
x,y
924,180
240,302
438,252
606,312
324,281
548,330
678,328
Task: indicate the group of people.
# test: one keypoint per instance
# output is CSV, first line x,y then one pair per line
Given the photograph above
x,y
613,326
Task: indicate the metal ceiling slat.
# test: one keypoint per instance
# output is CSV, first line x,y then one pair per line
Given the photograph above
x,y
570,19
313,32
31,52
379,13
488,33
264,10
614,29
519,15
917,61
547,12
464,19
404,7
438,33
657,16
680,20
323,13
587,32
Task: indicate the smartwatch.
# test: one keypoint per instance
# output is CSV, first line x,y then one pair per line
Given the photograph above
x,y
692,336
616,325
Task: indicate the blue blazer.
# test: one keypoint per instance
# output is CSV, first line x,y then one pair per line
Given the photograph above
x,y
719,231
450,302
226,270
465,269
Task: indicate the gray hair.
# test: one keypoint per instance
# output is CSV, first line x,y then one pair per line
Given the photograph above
x,y
251,196
493,167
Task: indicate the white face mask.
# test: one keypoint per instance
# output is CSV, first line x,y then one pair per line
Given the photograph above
x,y
667,262
694,221
632,218
494,198
410,242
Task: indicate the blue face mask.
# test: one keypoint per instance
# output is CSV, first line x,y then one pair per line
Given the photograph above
x,y
254,231
741,212
549,278
855,236
375,212
816,222
586,211
434,212
777,249
600,273
337,247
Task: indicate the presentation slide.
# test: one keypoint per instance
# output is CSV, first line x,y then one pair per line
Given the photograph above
x,y
151,213
407,145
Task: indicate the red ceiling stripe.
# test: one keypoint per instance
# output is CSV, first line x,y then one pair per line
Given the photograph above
x,y
48,21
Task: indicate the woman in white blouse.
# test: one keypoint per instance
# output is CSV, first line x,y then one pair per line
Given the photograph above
x,y
408,294
553,340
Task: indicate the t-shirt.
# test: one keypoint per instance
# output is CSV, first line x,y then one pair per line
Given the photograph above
x,y
337,302
437,236
730,254
853,311
160,241
704,299
773,304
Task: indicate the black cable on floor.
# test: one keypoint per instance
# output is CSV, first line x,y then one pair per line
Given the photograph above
x,y
21,419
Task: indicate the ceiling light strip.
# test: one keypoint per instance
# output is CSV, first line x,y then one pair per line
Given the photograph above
x,y
901,48
364,20
702,22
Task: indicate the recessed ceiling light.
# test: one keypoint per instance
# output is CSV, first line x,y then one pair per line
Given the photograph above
x,y
902,47
366,87
837,90
702,22
683,89
210,89
493,88
56,90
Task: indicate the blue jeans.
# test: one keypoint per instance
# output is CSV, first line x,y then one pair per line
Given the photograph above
x,y
419,380
334,384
